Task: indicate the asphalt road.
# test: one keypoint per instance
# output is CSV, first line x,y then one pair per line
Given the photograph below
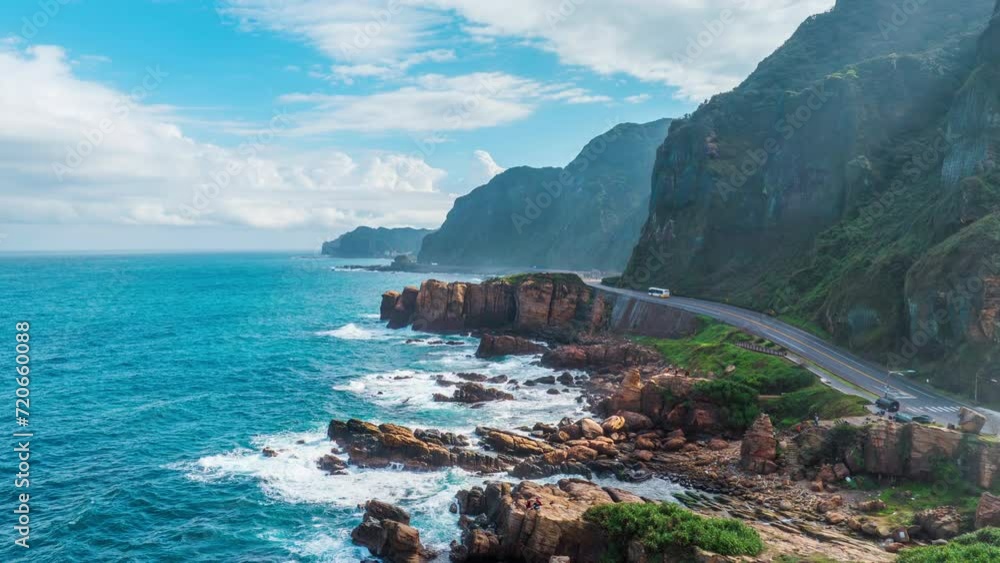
x,y
874,379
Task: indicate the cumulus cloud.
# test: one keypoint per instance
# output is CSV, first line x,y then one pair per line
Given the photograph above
x,y
432,103
637,99
701,48
79,152
488,167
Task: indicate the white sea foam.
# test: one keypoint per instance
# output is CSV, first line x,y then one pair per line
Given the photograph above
x,y
351,331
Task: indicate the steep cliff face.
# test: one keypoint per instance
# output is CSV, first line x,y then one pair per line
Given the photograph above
x,y
586,215
366,242
845,181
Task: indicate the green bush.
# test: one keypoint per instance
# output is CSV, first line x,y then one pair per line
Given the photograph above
x,y
737,403
982,546
668,528
796,406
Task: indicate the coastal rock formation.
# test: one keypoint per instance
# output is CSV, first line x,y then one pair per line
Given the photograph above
x,y
612,354
492,346
386,532
515,531
548,305
759,448
379,446
510,443
941,523
404,305
474,393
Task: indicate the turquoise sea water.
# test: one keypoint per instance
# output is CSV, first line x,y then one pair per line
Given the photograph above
x,y
157,379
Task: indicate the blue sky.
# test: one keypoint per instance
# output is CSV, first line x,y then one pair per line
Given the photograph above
x,y
262,124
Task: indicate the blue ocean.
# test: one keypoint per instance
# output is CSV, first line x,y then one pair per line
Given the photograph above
x,y
156,380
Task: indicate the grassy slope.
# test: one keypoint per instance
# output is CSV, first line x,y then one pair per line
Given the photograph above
x,y
800,396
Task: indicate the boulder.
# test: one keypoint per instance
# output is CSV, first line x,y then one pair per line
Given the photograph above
x,y
386,532
474,393
988,511
628,394
590,429
635,422
388,304
403,310
613,424
492,346
507,442
332,464
615,354
759,448
970,421
941,523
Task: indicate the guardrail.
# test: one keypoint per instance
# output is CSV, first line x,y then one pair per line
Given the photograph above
x,y
762,349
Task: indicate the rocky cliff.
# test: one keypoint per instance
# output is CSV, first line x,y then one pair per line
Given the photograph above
x,y
850,181
366,242
585,215
554,306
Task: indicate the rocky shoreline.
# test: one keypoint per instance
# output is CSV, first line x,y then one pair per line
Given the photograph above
x,y
647,422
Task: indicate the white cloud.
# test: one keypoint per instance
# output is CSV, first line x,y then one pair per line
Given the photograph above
x,y
700,47
78,152
432,103
489,167
637,99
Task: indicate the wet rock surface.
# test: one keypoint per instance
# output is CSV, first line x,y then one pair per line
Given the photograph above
x,y
386,532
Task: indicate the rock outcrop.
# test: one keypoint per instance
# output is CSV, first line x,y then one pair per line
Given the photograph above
x,y
381,242
515,531
492,346
380,446
547,305
611,354
386,532
758,451
474,393
970,421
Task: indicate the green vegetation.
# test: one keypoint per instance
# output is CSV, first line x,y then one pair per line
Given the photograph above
x,y
670,529
982,546
906,498
791,408
366,242
554,277
713,349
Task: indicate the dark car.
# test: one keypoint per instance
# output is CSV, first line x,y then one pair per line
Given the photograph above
x,y
923,419
888,405
902,417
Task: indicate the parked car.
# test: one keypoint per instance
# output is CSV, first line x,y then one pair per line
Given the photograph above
x,y
923,419
888,405
902,417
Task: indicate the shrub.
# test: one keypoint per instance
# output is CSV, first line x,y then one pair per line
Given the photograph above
x,y
982,546
668,528
736,401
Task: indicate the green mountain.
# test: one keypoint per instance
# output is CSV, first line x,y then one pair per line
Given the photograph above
x,y
366,242
849,183
585,215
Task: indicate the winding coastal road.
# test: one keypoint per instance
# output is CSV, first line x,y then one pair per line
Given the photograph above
x,y
876,381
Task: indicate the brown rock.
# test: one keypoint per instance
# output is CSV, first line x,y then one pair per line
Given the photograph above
x,y
615,354
582,453
759,448
491,346
331,464
643,455
941,523
508,442
613,424
388,304
870,506
830,503
674,444
589,428
635,422
403,310
717,444
970,421
646,442
628,395
386,533
988,511
835,518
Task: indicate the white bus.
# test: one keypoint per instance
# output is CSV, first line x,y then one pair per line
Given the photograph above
x,y
659,292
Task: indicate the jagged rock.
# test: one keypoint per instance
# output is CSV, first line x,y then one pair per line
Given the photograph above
x,y
759,448
941,523
473,377
386,532
566,378
508,442
331,464
970,421
492,346
269,452
388,304
474,393
380,446
404,309
830,503
988,511
614,354
628,394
